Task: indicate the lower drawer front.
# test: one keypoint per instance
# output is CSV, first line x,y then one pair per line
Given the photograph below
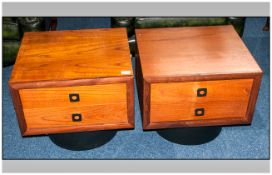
x,y
92,105
202,100
76,116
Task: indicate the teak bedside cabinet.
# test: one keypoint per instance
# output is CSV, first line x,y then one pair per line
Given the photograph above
x,y
73,81
194,77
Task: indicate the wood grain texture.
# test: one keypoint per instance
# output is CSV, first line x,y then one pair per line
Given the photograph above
x,y
193,51
143,88
146,103
94,63
130,101
194,55
78,128
178,101
196,123
18,108
74,54
47,108
65,83
253,98
62,116
59,96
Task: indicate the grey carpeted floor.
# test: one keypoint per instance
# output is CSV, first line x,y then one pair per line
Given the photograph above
x,y
234,142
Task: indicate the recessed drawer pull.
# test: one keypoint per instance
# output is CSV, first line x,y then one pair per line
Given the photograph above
x,y
199,112
76,117
74,97
201,92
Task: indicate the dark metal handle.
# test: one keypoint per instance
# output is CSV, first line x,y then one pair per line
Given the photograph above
x,y
74,97
199,112
201,92
76,117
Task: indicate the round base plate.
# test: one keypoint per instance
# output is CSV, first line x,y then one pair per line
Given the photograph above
x,y
190,136
82,140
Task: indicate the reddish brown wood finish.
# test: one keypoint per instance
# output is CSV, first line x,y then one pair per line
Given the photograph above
x,y
193,51
224,99
72,59
130,101
18,108
46,108
193,54
69,55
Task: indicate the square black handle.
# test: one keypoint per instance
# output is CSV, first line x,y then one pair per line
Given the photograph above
x,y
199,112
74,97
76,117
201,92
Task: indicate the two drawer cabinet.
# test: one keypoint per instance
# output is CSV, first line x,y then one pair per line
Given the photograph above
x,y
195,76
73,81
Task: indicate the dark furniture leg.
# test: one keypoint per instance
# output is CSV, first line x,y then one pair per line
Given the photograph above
x,y
82,140
53,24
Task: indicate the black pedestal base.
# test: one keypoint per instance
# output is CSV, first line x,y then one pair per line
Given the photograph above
x,y
190,136
82,140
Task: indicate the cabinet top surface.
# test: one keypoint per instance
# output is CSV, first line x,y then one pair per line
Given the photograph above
x,y
72,54
193,51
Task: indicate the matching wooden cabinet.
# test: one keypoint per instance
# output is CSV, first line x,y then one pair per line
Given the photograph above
x,y
195,76
73,81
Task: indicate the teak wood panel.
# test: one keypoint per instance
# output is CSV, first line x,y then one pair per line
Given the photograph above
x,y
74,54
62,116
59,96
178,101
192,51
50,108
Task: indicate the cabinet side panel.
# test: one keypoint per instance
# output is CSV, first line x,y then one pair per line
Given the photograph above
x,y
130,101
253,98
18,109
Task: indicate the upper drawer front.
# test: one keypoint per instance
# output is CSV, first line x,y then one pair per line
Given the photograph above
x,y
201,100
56,107
67,96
